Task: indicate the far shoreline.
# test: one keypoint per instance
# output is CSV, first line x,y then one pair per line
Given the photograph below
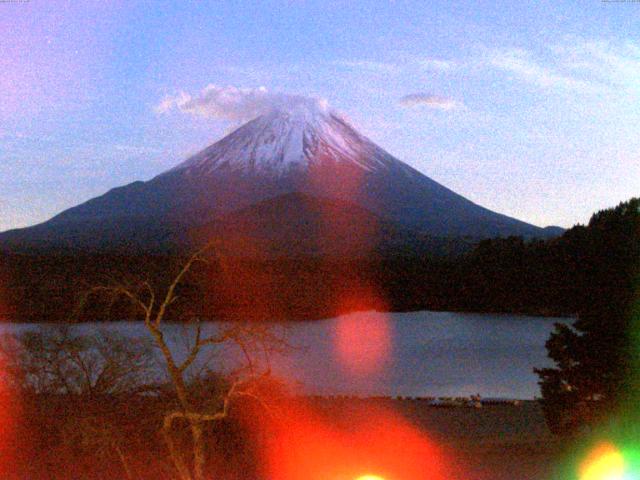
x,y
4,317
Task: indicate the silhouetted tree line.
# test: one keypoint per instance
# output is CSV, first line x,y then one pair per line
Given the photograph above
x,y
597,359
507,275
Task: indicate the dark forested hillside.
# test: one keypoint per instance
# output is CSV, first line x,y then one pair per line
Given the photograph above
x,y
511,275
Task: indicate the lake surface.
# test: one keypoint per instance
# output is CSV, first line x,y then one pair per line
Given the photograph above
x,y
397,354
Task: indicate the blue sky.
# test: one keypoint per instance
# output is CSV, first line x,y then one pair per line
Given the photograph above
x,y
528,108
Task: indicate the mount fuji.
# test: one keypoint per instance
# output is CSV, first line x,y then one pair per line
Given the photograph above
x,y
305,166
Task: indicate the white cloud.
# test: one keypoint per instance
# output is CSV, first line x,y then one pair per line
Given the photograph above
x,y
616,65
579,65
432,101
437,64
409,63
522,64
136,149
233,103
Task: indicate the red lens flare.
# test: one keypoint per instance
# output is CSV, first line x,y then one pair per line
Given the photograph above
x,y
363,342
9,413
374,445
9,402
362,339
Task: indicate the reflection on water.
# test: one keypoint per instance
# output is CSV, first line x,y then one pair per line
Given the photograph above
x,y
431,353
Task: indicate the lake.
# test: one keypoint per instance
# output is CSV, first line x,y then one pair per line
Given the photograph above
x,y
397,354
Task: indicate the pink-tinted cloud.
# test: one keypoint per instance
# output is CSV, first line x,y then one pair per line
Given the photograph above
x,y
233,103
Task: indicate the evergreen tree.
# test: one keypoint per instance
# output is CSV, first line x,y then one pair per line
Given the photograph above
x,y
596,357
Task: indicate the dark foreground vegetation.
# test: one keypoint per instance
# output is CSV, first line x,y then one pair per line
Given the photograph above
x,y
93,406
65,436
508,275
497,443
105,406
597,373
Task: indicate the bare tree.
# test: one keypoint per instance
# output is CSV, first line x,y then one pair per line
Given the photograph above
x,y
55,360
77,381
255,341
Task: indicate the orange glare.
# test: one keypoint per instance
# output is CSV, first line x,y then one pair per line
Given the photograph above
x,y
308,444
604,463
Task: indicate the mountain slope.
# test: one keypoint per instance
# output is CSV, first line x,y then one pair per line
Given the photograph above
x,y
309,150
297,225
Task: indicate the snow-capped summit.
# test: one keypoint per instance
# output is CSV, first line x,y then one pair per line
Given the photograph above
x,y
299,150
288,138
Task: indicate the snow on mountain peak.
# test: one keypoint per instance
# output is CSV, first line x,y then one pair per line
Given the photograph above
x,y
292,136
